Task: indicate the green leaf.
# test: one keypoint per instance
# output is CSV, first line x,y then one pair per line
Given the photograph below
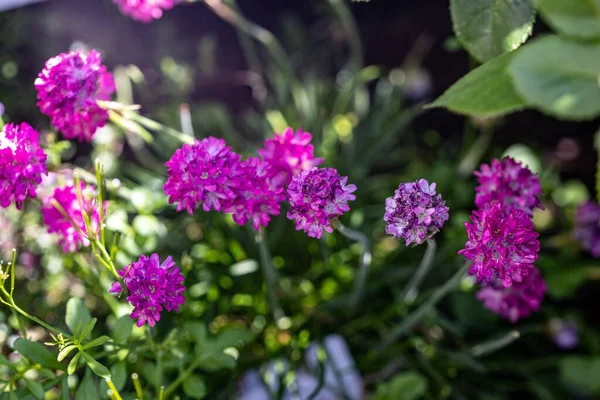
x,y
35,388
582,373
4,361
487,91
37,353
232,337
564,282
122,329
214,361
194,387
65,392
97,342
559,77
95,366
73,364
406,386
77,313
65,352
119,374
87,390
87,329
489,28
577,18
197,331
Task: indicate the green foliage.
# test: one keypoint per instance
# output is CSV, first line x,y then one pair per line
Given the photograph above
x,y
489,28
122,329
77,316
577,18
582,373
37,353
194,387
409,385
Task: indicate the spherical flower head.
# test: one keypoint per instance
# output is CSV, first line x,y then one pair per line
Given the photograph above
x,y
517,301
68,89
22,164
289,154
501,245
145,10
416,212
205,173
316,197
72,231
257,197
153,286
587,227
511,184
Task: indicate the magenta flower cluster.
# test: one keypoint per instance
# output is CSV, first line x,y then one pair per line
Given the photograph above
x,y
152,286
68,89
517,301
415,212
316,197
71,227
145,10
587,227
22,164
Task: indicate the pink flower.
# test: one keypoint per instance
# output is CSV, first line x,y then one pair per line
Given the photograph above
x,y
257,197
71,238
145,10
206,173
22,164
501,245
517,301
317,196
289,154
68,89
153,286
511,184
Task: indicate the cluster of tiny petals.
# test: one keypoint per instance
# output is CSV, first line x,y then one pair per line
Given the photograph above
x,y
587,227
68,89
152,286
22,164
289,154
517,301
71,238
501,245
145,10
416,212
514,186
206,173
257,196
316,197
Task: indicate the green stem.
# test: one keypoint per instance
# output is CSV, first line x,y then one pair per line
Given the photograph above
x,y
364,263
100,189
356,50
157,126
476,151
181,378
34,319
495,344
412,288
270,274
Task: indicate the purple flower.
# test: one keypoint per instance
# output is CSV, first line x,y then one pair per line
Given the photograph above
x,y
415,213
72,238
206,173
257,197
517,301
509,183
289,154
564,333
501,245
587,227
317,196
22,164
68,89
152,287
145,10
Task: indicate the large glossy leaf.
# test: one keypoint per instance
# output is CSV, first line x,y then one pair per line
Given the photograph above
x,y
559,76
489,28
486,91
577,18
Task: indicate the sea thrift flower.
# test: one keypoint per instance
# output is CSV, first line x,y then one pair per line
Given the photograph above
x,y
22,164
145,10
509,183
316,197
289,154
587,227
72,238
68,89
501,245
257,197
206,173
564,333
517,301
152,287
415,213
